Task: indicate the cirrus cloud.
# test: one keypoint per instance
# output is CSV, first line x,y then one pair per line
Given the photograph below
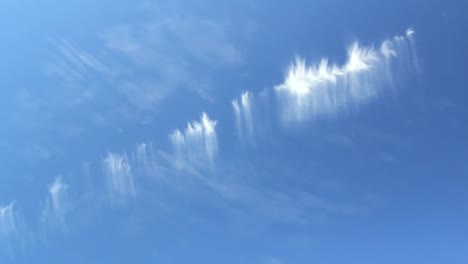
x,y
313,90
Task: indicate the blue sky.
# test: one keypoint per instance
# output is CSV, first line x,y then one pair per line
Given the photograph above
x,y
263,132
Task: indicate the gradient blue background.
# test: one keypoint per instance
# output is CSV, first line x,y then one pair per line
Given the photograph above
x,y
403,157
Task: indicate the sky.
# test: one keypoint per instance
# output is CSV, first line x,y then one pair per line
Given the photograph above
x,y
257,132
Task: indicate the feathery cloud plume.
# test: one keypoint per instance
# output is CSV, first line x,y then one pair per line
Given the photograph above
x,y
119,177
12,229
177,46
75,64
243,112
323,88
146,158
56,204
197,145
286,206
8,221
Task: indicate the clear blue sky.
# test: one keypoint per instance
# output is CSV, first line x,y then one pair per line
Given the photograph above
x,y
262,132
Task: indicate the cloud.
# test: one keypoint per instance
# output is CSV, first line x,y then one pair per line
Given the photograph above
x,y
144,95
286,205
154,36
175,50
307,91
196,146
75,65
146,159
201,46
119,178
12,229
57,204
243,113
122,38
134,66
317,89
8,221
414,54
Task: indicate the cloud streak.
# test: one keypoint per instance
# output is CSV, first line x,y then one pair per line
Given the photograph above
x,y
176,48
308,91
291,205
119,178
57,204
146,158
313,90
12,229
197,146
75,64
243,113
8,220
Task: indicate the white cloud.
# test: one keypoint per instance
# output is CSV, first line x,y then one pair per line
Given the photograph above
x,y
57,204
146,159
323,88
142,62
414,56
177,49
119,177
13,234
121,38
307,91
74,64
243,112
8,221
144,95
197,145
211,44
287,205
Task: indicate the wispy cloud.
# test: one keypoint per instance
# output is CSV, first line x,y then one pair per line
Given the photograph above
x,y
176,48
312,90
307,91
152,38
254,114
8,221
243,114
56,205
287,205
146,159
75,65
136,64
119,178
12,229
197,145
